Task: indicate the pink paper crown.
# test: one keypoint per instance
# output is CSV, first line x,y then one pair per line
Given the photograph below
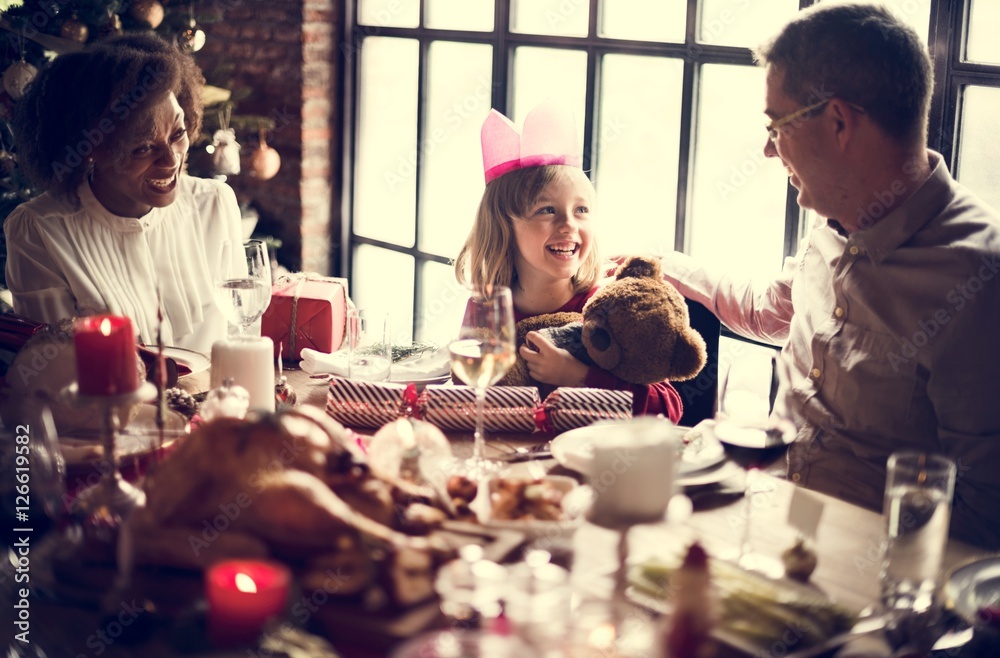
x,y
548,137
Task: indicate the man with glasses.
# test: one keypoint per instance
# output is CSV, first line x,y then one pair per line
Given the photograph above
x,y
889,312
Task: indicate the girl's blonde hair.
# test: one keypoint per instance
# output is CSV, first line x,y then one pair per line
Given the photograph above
x,y
487,258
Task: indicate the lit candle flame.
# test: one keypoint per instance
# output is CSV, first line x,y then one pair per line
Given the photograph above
x,y
245,583
106,326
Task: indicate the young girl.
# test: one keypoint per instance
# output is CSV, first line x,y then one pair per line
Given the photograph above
x,y
534,233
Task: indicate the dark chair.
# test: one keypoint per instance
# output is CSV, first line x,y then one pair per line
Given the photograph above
x,y
699,394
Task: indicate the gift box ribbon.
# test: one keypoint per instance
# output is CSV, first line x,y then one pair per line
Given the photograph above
x,y
300,279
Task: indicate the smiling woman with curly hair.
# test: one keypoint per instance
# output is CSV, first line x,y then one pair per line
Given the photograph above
x,y
105,133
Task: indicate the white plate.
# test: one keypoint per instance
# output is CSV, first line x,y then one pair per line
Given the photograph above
x,y
574,449
576,500
194,361
973,587
719,473
421,383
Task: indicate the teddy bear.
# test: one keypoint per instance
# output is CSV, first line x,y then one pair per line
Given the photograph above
x,y
636,327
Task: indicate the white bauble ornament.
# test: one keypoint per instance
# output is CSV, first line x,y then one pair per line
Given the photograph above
x,y
264,162
147,11
17,77
226,156
192,39
228,401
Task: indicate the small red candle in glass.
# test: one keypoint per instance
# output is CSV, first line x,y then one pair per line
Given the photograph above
x,y
105,355
242,595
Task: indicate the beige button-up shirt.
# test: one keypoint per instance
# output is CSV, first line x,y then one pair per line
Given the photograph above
x,y
894,338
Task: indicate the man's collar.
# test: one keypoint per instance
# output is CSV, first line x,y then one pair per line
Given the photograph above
x,y
889,232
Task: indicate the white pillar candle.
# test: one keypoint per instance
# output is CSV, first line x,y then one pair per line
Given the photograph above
x,y
249,362
632,473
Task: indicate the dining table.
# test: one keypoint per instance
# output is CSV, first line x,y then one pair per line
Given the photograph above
x,y
848,545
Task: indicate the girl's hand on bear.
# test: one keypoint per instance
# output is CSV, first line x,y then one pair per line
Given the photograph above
x,y
550,364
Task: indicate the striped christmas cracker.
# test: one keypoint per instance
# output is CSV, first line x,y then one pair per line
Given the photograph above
x,y
507,408
567,408
365,404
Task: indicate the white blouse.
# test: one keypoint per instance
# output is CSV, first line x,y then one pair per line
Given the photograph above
x,y
67,258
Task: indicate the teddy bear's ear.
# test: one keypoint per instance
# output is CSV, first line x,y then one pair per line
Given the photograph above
x,y
638,267
690,355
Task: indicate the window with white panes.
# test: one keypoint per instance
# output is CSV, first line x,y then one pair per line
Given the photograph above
x,y
668,103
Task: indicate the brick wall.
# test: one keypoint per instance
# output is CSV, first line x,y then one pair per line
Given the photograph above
x,y
280,51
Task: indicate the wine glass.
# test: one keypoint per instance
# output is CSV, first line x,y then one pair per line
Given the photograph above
x,y
482,354
32,471
755,436
243,284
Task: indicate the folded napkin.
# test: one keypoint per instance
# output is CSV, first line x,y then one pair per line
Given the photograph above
x,y
426,365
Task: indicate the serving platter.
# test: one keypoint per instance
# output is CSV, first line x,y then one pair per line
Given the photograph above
x,y
135,444
751,603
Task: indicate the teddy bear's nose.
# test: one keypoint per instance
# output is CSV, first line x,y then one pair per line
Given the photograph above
x,y
600,339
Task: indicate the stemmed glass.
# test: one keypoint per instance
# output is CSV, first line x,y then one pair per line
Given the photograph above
x,y
243,284
32,495
755,436
481,355
32,471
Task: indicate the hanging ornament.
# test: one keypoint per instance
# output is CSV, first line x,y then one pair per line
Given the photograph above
x,y
147,11
7,162
74,29
17,77
225,150
192,39
112,28
264,161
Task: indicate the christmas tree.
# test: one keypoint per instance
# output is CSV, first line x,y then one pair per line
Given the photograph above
x,y
36,31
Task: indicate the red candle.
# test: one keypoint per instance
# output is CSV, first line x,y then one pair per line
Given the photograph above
x,y
105,355
242,595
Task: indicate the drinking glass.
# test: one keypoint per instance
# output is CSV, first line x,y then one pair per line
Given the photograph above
x,y
481,355
918,494
754,436
243,283
369,346
32,488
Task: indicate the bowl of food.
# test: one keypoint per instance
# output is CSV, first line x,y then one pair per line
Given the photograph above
x,y
553,505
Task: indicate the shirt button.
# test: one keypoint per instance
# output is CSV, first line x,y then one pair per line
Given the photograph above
x,y
816,372
854,251
796,477
839,312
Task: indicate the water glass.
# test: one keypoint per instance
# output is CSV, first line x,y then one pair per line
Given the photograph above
x,y
918,494
369,346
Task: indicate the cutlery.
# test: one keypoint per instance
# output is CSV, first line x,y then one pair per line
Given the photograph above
x,y
523,454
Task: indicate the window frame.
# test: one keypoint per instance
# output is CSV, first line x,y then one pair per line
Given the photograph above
x,y
947,34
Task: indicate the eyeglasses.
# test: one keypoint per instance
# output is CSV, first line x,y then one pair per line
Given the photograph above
x,y
772,128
